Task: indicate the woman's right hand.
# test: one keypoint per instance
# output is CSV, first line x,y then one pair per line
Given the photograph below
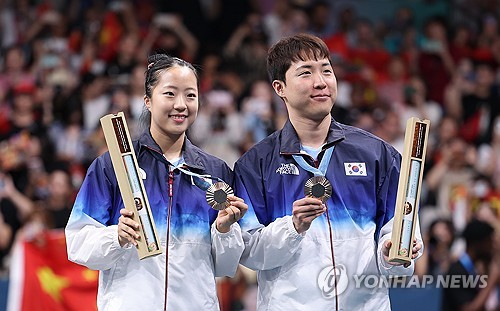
x,y
127,228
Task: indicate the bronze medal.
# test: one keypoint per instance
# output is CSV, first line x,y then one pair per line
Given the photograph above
x,y
318,187
217,195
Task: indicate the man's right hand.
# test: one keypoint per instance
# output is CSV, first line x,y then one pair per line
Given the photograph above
x,y
127,228
305,211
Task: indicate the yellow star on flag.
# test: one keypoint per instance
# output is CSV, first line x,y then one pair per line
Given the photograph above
x,y
51,283
90,275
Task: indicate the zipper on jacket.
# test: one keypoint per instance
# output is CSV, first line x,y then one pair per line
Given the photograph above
x,y
169,211
333,258
330,231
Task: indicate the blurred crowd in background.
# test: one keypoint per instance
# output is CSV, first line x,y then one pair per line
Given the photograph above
x,y
65,64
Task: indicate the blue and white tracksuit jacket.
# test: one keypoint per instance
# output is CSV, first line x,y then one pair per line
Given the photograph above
x,y
196,253
364,173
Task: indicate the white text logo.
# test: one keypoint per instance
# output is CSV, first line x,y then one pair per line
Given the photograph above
x,y
287,169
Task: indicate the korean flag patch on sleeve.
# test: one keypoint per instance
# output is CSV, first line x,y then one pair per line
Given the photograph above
x,y
355,169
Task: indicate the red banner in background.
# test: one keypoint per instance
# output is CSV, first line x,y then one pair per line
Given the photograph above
x,y
42,278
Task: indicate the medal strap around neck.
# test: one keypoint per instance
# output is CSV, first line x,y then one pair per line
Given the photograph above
x,y
323,165
198,179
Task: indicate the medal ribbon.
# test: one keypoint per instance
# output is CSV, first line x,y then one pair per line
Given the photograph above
x,y
323,165
198,179
321,171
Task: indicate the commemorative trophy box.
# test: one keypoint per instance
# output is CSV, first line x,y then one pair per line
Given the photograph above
x,y
408,196
130,182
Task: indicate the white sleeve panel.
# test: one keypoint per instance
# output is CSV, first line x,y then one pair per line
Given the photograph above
x,y
226,250
92,244
271,246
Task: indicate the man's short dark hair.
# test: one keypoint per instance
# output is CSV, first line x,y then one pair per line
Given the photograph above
x,y
291,49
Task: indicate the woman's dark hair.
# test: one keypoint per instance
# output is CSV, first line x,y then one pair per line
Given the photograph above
x,y
291,49
158,63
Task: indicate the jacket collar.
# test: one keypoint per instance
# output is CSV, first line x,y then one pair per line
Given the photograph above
x,y
290,143
190,152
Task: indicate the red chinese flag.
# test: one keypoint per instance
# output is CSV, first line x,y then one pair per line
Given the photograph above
x,y
42,278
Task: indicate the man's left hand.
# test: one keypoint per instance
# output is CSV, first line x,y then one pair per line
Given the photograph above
x,y
417,246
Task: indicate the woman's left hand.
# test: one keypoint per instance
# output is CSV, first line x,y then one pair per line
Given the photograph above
x,y
230,214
